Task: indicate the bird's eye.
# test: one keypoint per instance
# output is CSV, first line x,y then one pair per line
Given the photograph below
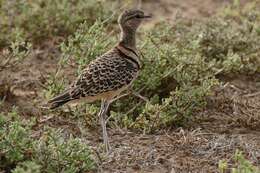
x,y
138,16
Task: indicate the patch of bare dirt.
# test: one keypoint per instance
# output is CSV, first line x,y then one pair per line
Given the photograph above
x,y
177,151
235,105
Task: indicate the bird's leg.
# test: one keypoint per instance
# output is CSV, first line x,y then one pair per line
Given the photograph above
x,y
137,94
102,116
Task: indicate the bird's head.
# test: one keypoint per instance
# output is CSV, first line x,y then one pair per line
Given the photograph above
x,y
130,19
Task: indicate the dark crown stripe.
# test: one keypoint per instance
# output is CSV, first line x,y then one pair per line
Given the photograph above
x,y
128,57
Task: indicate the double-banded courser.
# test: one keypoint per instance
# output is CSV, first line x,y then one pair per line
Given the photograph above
x,y
110,74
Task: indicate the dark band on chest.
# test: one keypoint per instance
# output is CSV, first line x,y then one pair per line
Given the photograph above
x,y
131,50
128,57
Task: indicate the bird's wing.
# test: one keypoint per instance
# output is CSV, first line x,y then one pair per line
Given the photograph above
x,y
107,73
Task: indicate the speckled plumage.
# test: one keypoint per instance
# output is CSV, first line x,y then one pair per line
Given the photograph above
x,y
104,78
110,72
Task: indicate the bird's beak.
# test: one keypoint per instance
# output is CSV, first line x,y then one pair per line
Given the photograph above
x,y
147,16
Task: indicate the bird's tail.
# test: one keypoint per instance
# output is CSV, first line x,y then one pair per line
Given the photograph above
x,y
63,98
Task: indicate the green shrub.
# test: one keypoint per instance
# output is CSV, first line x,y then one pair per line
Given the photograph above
x,y
177,82
52,152
27,167
55,153
183,60
233,46
15,144
18,50
54,85
243,165
240,165
232,38
41,19
86,44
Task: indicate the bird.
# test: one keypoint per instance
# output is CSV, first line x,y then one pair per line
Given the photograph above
x,y
110,74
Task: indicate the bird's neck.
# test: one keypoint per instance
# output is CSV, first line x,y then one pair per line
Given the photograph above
x,y
127,38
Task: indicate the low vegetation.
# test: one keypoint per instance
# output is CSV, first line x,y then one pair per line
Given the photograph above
x,y
241,164
182,64
25,150
40,19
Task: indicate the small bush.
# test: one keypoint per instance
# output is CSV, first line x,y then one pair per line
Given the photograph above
x,y
41,19
240,165
54,85
86,44
52,152
232,39
27,167
177,82
18,50
55,153
233,46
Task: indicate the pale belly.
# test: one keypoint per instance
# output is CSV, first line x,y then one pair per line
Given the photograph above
x,y
104,96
